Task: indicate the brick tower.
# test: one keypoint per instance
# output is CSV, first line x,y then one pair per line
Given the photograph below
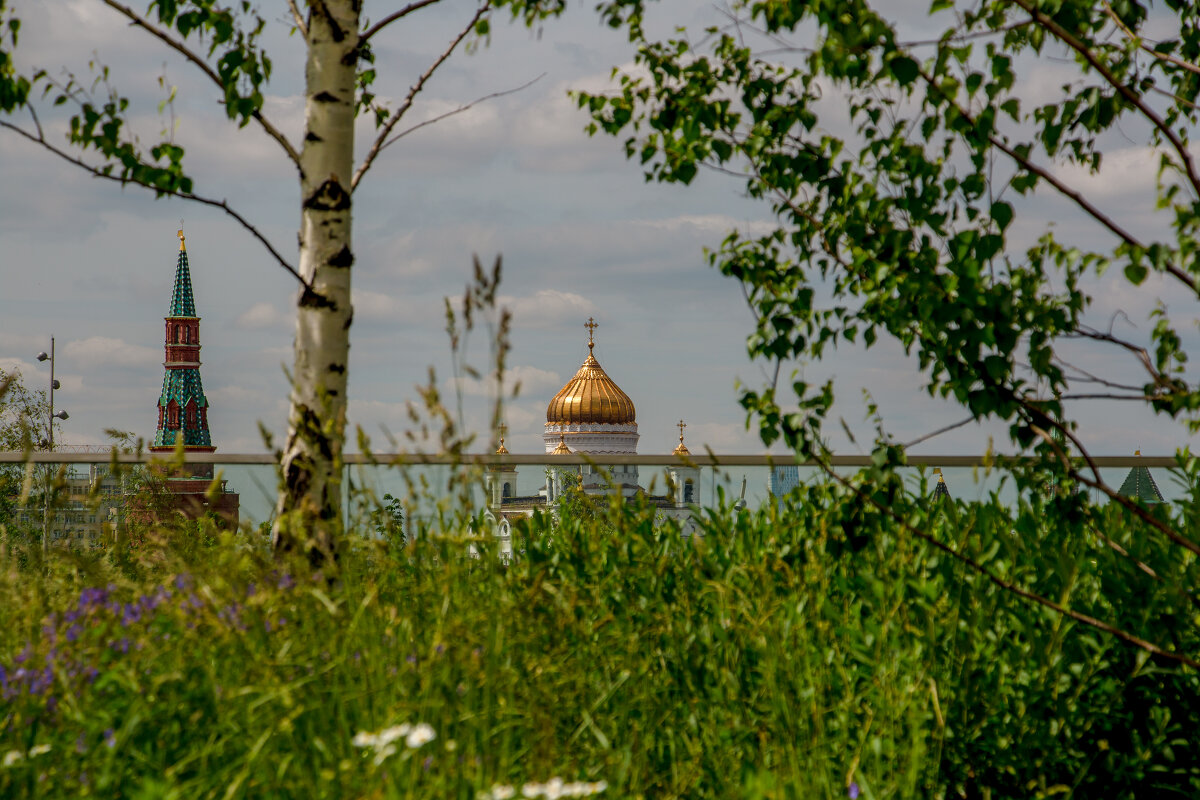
x,y
182,406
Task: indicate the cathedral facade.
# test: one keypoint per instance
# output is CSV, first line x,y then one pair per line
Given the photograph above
x,y
591,415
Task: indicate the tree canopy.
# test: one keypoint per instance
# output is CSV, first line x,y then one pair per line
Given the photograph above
x,y
224,42
902,171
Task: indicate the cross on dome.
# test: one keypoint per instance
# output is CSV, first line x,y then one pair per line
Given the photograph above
x,y
591,325
681,450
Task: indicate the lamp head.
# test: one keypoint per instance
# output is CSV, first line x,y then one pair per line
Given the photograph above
x,y
63,415
42,356
56,384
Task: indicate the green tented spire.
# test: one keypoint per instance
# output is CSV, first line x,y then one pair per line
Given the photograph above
x,y
182,302
940,492
182,406
1139,484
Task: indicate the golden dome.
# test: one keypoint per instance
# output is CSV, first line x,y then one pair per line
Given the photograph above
x,y
590,397
681,450
501,450
562,449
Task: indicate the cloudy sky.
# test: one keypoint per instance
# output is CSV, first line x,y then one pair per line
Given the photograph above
x,y
581,234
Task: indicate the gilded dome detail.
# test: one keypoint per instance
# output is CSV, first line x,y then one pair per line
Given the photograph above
x,y
591,397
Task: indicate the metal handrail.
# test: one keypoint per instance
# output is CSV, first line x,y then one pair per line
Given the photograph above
x,y
526,459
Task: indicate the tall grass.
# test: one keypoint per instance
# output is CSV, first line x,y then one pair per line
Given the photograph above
x,y
812,651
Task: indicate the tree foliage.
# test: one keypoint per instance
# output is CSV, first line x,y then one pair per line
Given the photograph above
x,y
224,42
903,227
902,175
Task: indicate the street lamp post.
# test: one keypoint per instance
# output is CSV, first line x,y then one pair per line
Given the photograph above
x,y
49,442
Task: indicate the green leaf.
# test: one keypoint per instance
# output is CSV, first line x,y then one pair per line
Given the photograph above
x,y
904,69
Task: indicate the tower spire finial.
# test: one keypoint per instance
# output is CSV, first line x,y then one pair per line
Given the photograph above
x,y
591,325
182,245
681,425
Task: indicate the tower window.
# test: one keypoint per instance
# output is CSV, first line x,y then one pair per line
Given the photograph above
x,y
689,492
507,492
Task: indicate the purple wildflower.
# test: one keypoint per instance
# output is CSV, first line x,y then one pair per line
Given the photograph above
x,y
110,738
852,791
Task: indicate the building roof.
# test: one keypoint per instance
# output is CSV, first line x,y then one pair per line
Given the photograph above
x,y
1139,484
182,302
591,397
940,491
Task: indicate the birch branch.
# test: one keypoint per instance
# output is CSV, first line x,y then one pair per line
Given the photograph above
x,y
459,110
138,21
386,132
299,18
208,201
390,18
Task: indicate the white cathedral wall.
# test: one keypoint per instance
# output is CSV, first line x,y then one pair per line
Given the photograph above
x,y
593,438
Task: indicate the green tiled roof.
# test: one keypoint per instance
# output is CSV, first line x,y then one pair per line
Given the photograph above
x,y
182,302
1139,484
940,490
183,386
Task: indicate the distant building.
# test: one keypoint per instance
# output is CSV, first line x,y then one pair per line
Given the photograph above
x,y
1139,484
940,492
183,408
782,480
592,415
87,509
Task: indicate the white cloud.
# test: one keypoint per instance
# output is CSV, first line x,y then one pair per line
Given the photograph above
x,y
546,308
262,315
107,351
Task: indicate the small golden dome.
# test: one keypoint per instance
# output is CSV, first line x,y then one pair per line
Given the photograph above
x,y
562,449
591,397
681,450
501,450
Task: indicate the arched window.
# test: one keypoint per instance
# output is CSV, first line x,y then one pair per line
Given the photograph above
x,y
175,334
507,491
187,334
689,491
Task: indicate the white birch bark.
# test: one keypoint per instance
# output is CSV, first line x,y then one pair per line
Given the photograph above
x,y
308,512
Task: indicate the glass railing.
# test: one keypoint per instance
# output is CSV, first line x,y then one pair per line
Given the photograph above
x,y
79,498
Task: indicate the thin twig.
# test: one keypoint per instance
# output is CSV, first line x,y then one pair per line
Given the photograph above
x,y
1096,482
939,432
386,132
1129,94
459,110
1142,354
221,204
1083,376
1133,37
138,21
1061,187
388,20
299,18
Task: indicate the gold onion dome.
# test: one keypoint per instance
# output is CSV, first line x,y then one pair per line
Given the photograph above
x,y
591,397
562,449
681,450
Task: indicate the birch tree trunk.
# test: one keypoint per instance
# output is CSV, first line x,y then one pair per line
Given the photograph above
x,y
308,513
